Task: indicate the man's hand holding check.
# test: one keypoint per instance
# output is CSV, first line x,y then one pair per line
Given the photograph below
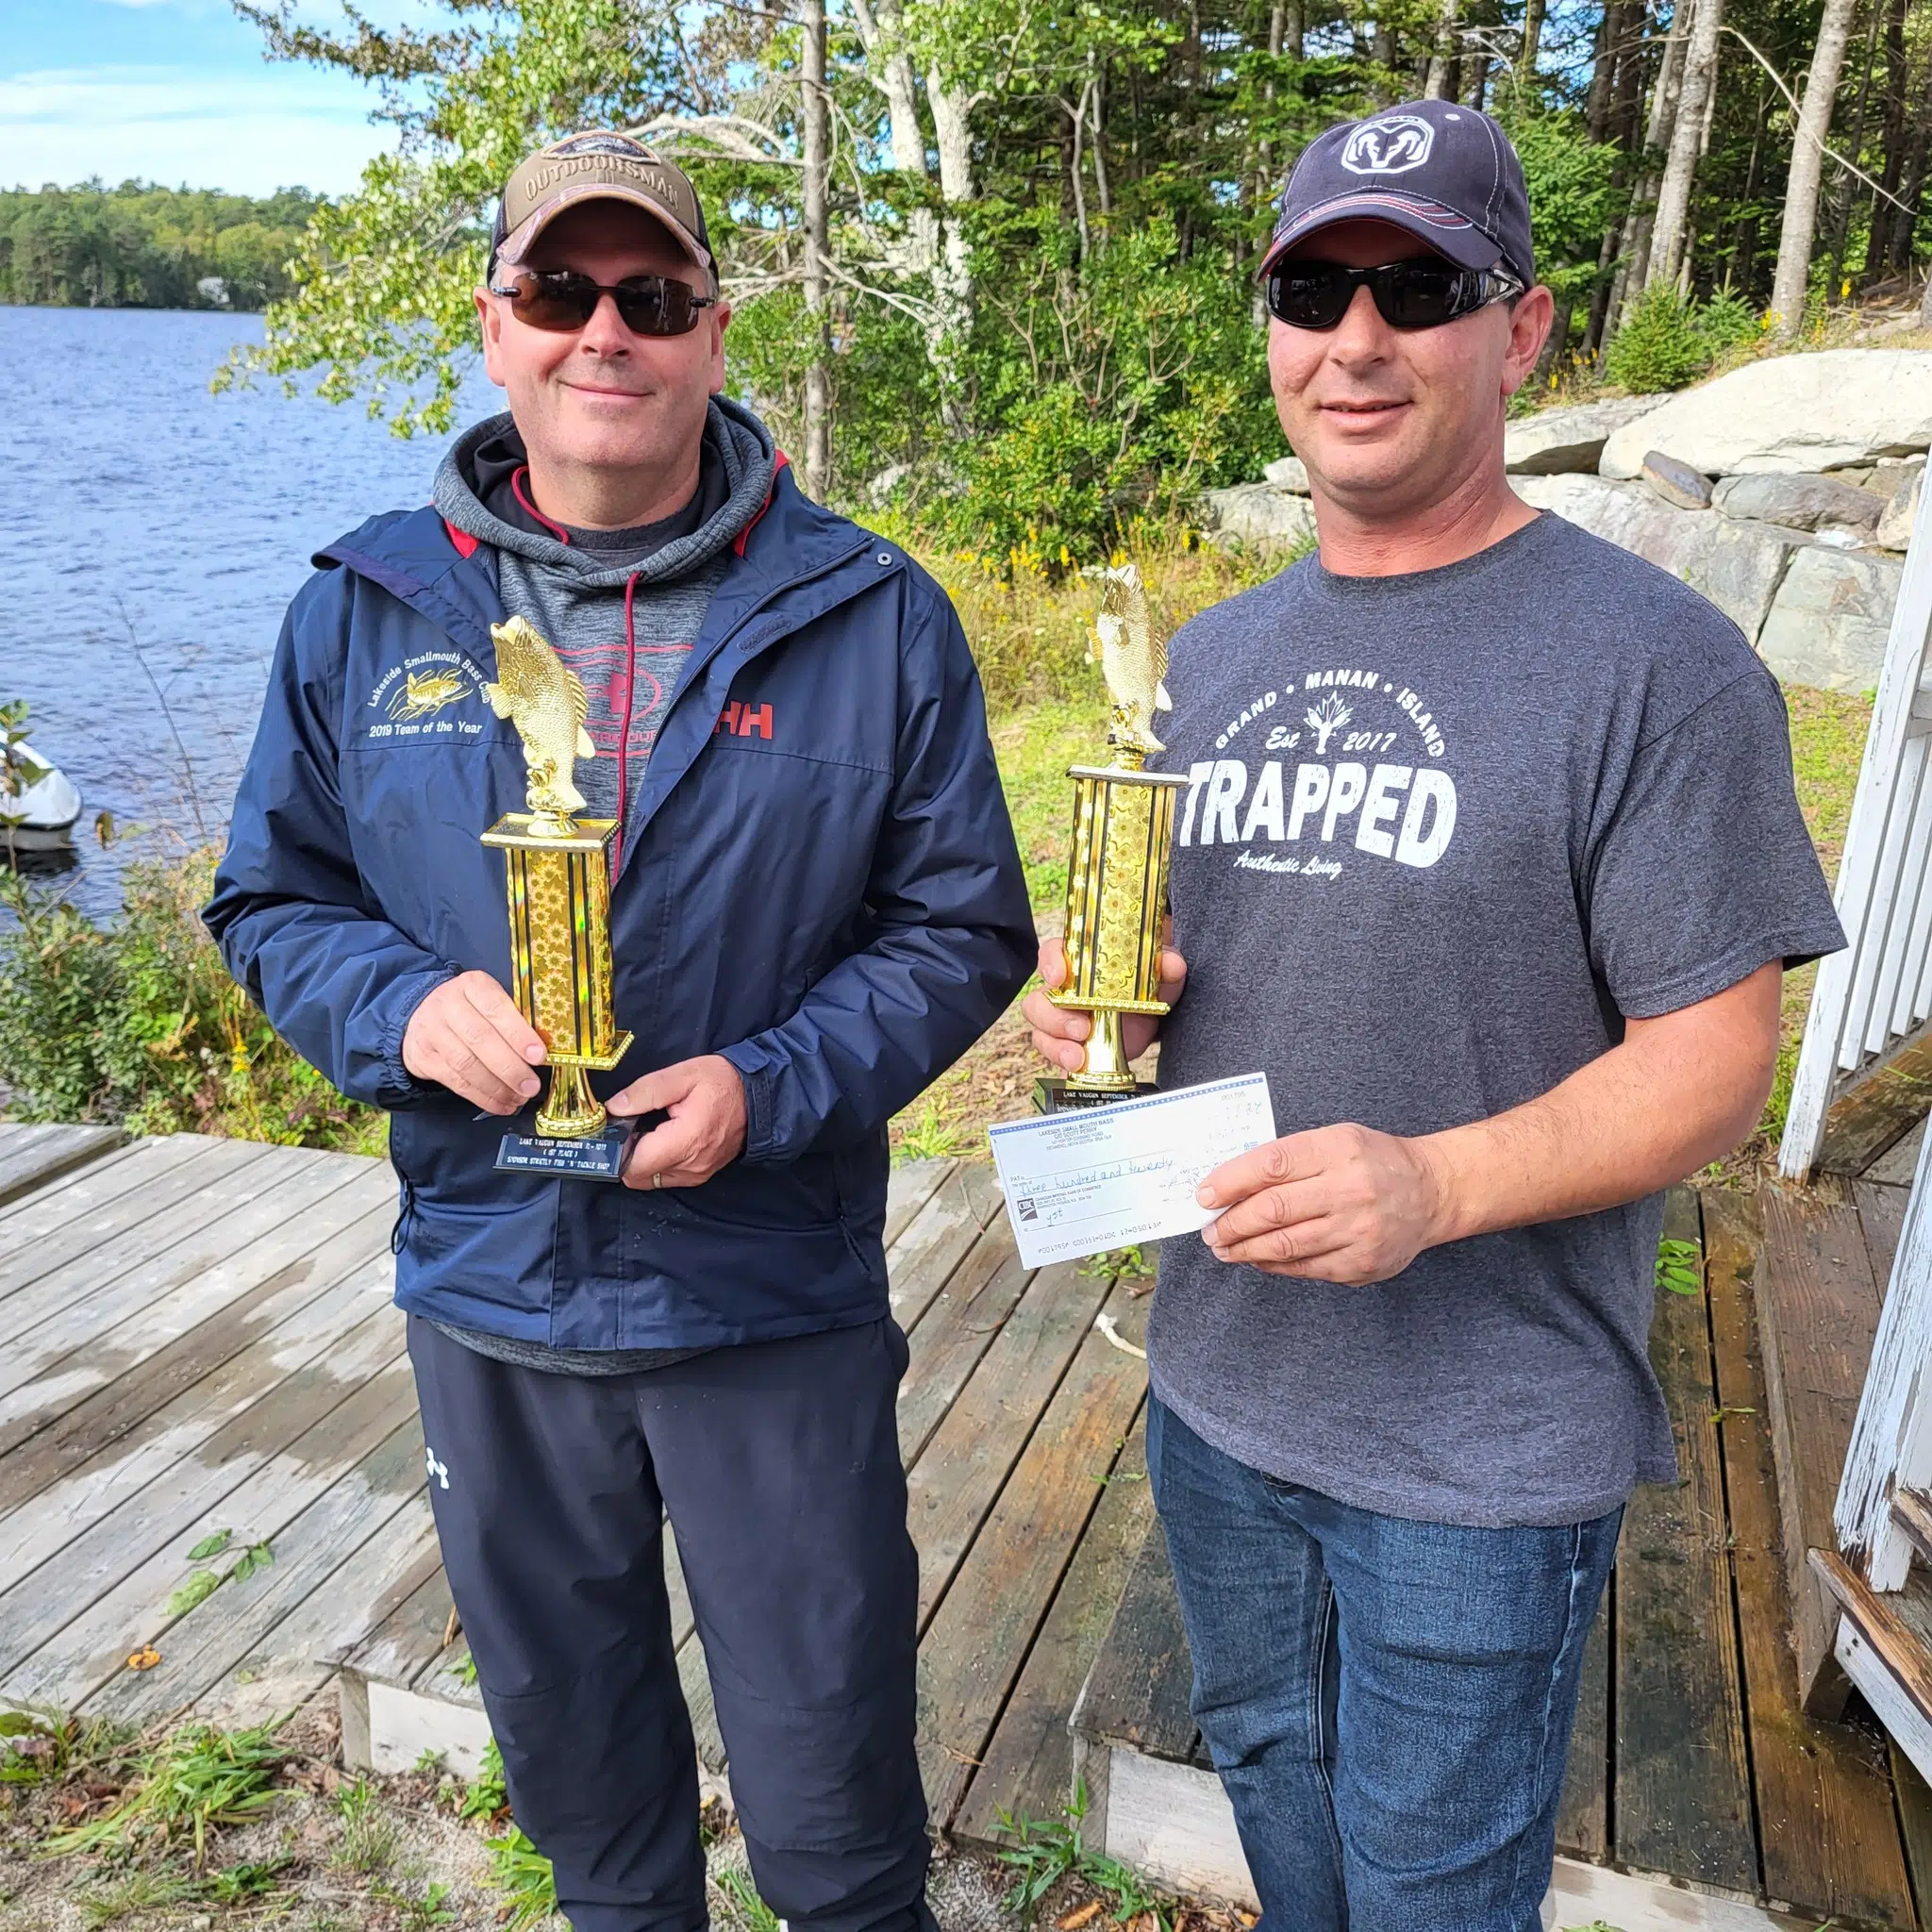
x,y
1334,1203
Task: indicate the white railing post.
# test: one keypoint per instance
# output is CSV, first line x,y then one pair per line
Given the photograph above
x,y
1884,976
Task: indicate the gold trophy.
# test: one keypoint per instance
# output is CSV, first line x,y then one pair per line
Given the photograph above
x,y
559,869
1117,871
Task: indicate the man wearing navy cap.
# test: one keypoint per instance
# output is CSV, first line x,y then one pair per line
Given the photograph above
x,y
1490,857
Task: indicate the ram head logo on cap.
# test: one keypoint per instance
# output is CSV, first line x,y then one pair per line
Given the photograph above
x,y
1390,145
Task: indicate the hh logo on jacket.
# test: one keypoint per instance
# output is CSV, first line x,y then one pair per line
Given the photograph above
x,y
745,719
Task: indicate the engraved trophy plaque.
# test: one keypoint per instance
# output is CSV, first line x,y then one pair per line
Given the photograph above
x,y
558,879
1117,871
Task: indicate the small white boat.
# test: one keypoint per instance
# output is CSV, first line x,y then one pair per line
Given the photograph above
x,y
43,816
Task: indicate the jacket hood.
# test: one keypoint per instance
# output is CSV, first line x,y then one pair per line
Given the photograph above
x,y
741,446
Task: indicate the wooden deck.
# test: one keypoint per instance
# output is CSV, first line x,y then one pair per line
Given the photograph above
x,y
196,1336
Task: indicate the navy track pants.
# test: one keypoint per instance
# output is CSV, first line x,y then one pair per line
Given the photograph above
x,y
778,1465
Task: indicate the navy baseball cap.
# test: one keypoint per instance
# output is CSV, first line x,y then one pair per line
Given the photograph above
x,y
1444,172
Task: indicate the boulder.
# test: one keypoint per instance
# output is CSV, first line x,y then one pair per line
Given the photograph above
x,y
1787,414
1289,473
1831,616
1556,443
1259,514
1738,565
1676,483
1800,503
1895,530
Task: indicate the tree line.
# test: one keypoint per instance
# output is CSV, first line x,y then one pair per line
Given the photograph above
x,y
140,246
995,262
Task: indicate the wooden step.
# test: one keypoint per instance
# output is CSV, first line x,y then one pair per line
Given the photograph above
x,y
1911,1510
1818,1298
1883,1642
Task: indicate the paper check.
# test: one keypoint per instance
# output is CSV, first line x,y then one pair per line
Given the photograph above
x,y
1101,1177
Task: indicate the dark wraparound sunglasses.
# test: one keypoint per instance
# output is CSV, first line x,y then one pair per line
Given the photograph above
x,y
562,300
1408,294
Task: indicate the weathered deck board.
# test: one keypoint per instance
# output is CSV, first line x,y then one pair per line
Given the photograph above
x,y
88,1651
1000,1595
209,1275
965,1464
1817,1304
1027,1769
276,1188
31,1155
60,1226
912,1184
268,1313
272,1450
1825,1802
1897,1165
1682,1789
1885,1104
1583,1813
379,1494
72,1494
1882,1219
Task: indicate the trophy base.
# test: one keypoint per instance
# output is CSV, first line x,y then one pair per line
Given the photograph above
x,y
598,1157
1052,1094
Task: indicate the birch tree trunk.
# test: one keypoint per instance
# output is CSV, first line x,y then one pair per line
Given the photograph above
x,y
1658,134
953,272
1669,229
1436,86
895,78
818,371
1807,165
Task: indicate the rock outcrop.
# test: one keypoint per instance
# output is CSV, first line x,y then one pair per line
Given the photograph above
x,y
1895,531
1738,565
1790,414
1676,483
1817,613
1287,473
1800,503
1259,514
1562,441
1830,619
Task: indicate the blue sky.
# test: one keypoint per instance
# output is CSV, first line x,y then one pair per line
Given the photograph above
x,y
173,91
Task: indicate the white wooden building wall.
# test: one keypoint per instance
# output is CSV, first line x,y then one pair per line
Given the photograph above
x,y
1878,991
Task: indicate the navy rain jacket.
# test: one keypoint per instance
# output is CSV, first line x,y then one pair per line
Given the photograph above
x,y
822,886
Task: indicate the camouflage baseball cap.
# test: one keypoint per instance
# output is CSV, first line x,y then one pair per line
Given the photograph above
x,y
598,165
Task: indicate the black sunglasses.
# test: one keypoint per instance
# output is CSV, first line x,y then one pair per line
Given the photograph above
x,y
562,300
1408,294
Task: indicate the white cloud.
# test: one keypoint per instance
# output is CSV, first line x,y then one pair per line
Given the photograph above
x,y
245,133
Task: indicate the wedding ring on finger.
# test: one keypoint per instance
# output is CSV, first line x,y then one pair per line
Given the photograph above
x,y
657,1180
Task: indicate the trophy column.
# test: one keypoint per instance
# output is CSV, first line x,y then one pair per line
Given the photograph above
x,y
1116,902
559,927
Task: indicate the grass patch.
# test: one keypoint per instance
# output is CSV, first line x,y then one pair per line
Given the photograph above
x,y
749,1909
524,1875
1044,1853
370,1838
199,1779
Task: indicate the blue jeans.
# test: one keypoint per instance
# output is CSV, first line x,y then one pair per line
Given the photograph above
x,y
1388,1703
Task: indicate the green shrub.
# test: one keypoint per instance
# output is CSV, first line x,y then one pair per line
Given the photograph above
x,y
138,1022
1660,345
1728,322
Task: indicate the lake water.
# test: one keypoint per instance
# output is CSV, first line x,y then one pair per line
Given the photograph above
x,y
153,535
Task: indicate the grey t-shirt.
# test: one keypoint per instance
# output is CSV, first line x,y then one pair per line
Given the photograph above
x,y
1443,833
